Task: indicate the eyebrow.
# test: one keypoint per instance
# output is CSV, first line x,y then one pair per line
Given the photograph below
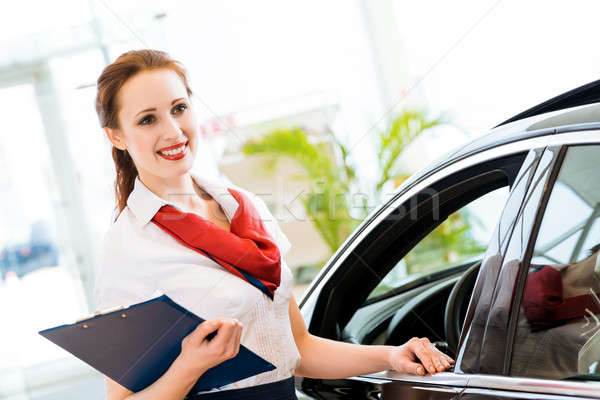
x,y
154,109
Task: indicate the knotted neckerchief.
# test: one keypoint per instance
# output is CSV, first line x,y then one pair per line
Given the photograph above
x,y
247,251
544,303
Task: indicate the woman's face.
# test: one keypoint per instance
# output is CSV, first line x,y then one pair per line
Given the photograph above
x,y
156,125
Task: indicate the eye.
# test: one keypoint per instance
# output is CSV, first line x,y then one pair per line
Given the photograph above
x,y
179,108
147,120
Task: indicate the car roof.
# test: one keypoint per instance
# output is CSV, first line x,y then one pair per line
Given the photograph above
x,y
543,119
586,94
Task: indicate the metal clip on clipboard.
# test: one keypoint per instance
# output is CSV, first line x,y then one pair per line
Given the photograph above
x,y
98,313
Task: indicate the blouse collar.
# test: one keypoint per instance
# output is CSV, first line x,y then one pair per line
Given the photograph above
x,y
145,204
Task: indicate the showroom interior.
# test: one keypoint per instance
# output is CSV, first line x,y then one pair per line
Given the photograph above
x,y
338,72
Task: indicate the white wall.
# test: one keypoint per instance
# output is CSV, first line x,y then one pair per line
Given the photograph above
x,y
241,54
489,60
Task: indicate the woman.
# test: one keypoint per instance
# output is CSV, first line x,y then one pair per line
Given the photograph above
x,y
214,249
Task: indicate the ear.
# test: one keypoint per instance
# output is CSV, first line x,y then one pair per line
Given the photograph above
x,y
114,135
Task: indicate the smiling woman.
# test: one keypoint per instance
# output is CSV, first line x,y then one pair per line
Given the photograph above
x,y
154,132
232,246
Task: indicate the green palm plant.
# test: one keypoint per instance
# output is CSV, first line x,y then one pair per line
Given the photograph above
x,y
405,128
331,184
327,201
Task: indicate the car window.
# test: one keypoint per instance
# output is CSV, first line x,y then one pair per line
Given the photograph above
x,y
496,328
487,318
461,238
558,328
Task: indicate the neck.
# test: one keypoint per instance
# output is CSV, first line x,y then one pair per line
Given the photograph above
x,y
180,190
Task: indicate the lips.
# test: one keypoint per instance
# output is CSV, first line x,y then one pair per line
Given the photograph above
x,y
176,156
172,147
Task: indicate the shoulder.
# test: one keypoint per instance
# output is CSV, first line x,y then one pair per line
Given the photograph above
x,y
269,220
116,236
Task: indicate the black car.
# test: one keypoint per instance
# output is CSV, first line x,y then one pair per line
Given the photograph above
x,y
523,319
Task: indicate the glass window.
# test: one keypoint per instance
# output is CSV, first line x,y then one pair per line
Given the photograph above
x,y
558,331
38,285
483,350
461,239
74,76
501,297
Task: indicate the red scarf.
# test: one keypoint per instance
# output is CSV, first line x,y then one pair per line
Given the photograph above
x,y
246,251
543,301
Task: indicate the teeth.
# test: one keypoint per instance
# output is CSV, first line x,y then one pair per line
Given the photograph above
x,y
173,152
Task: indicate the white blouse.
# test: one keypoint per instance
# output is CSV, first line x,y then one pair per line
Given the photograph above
x,y
138,260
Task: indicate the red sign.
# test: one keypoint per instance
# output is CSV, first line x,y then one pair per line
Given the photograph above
x,y
217,126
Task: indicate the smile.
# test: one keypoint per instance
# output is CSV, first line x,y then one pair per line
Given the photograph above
x,y
175,153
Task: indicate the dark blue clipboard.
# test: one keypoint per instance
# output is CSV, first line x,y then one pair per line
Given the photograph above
x,y
136,345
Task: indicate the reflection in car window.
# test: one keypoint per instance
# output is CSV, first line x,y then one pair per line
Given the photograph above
x,y
558,331
496,333
483,296
462,238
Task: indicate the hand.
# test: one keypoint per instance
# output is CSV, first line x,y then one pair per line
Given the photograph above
x,y
198,353
417,356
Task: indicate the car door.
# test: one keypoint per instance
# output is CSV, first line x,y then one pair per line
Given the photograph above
x,y
541,336
338,298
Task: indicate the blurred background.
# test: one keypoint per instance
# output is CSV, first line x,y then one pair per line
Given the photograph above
x,y
322,108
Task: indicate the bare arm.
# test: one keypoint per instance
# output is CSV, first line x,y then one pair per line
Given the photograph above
x,y
174,384
198,355
330,359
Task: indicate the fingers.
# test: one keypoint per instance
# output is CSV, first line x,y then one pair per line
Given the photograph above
x,y
442,363
227,341
447,358
225,333
238,338
411,367
432,359
204,329
201,354
444,359
420,348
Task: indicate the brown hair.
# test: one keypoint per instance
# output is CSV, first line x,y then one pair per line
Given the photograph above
x,y
112,78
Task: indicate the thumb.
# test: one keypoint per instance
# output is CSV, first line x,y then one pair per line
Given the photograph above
x,y
411,367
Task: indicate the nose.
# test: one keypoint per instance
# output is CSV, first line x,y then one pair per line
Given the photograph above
x,y
173,130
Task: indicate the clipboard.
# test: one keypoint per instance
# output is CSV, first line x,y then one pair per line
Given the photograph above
x,y
136,345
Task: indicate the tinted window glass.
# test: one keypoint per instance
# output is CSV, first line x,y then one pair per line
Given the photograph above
x,y
558,331
487,318
497,332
